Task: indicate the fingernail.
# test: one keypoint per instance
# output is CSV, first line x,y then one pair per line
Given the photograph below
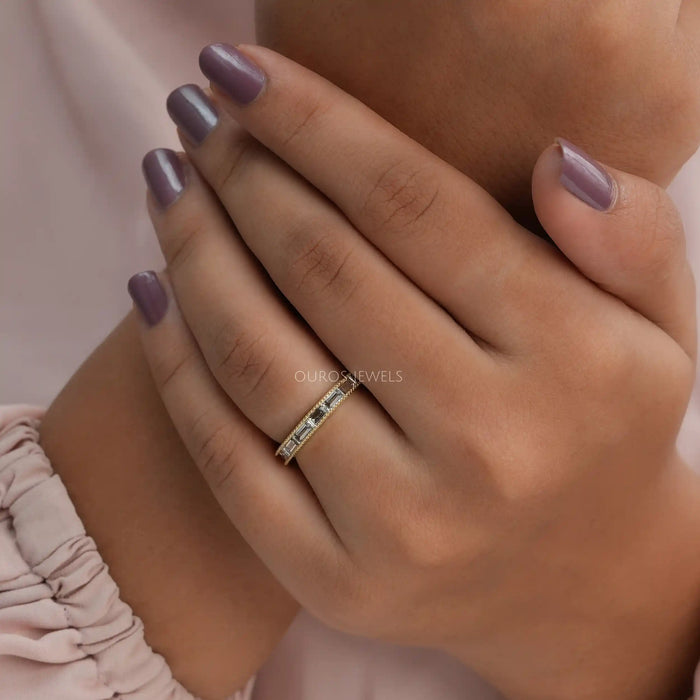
x,y
164,175
585,178
149,296
231,71
192,111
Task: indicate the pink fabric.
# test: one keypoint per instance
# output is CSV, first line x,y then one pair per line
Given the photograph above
x,y
64,632
84,92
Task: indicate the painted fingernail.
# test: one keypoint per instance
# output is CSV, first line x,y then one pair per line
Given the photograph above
x,y
164,175
149,296
193,112
585,178
231,71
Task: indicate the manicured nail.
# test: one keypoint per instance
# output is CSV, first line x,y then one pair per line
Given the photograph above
x,y
585,178
149,296
192,111
164,175
231,71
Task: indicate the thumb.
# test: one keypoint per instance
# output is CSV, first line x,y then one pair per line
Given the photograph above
x,y
621,232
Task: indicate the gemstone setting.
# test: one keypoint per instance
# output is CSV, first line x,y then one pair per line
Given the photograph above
x,y
335,398
318,414
306,427
303,431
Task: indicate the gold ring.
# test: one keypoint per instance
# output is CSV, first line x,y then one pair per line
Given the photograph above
x,y
316,417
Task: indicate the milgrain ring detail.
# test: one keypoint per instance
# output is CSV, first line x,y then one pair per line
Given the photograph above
x,y
317,415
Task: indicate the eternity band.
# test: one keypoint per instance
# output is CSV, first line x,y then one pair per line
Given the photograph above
x,y
316,417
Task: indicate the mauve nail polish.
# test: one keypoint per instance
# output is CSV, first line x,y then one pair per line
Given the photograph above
x,y
149,296
585,178
192,111
231,71
164,175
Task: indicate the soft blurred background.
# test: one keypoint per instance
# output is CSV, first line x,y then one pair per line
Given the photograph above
x,y
84,88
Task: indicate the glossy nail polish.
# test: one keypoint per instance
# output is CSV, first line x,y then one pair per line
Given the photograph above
x,y
193,112
149,296
585,178
164,175
232,72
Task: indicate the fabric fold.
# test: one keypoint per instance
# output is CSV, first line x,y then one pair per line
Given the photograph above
x,y
63,626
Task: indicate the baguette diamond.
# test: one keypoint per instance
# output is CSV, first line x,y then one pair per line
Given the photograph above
x,y
335,398
316,416
300,434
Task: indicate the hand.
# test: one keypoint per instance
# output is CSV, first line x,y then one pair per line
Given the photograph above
x,y
517,499
488,85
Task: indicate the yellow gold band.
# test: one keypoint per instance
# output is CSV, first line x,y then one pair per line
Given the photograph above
x,y
316,417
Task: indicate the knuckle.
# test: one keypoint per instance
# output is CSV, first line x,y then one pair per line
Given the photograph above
x,y
605,359
507,471
185,237
306,118
213,448
468,433
242,358
231,163
321,264
526,470
168,369
650,385
420,531
401,196
425,544
660,240
609,367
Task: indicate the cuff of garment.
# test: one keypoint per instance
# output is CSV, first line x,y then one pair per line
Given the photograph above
x,y
64,632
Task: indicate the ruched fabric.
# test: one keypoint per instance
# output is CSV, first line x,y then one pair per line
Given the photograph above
x,y
64,632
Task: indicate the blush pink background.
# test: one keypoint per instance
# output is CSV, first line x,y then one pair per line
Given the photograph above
x,y
84,87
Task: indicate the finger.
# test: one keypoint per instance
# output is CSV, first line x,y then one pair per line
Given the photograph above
x,y
622,232
271,506
360,306
410,204
265,359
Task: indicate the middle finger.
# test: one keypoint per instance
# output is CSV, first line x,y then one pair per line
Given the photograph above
x,y
255,349
440,228
362,307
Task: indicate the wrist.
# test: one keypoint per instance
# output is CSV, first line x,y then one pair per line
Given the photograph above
x,y
176,558
637,636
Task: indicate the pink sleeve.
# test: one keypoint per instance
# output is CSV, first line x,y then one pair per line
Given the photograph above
x,y
64,632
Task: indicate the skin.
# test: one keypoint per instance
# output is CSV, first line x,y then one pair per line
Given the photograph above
x,y
167,543
488,549
625,74
109,416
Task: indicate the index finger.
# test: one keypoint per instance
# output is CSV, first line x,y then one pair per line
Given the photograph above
x,y
336,142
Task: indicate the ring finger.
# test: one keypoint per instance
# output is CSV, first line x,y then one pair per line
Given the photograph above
x,y
356,301
257,349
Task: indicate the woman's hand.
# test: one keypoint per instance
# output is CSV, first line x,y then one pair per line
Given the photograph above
x,y
517,498
488,85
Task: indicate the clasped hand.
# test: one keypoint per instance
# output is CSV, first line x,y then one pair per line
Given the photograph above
x,y
501,500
